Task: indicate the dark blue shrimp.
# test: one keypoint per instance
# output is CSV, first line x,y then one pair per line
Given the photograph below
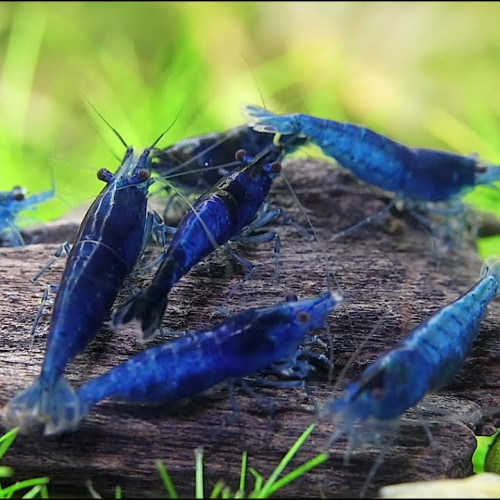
x,y
218,215
107,246
416,174
424,361
241,346
197,163
11,204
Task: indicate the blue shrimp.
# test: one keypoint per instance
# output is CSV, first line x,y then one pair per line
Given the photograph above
x,y
425,361
195,164
218,215
241,346
107,246
416,174
11,204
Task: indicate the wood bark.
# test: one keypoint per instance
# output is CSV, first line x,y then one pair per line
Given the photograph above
x,y
392,276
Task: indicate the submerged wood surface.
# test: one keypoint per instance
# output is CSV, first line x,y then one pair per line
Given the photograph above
x,y
391,278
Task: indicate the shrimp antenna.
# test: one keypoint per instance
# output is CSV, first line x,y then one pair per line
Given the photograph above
x,y
160,137
358,349
329,274
259,90
183,197
106,122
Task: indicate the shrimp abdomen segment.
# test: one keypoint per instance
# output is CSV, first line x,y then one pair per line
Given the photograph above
x,y
439,175
447,337
373,157
387,388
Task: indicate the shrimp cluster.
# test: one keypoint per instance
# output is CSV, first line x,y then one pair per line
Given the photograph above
x,y
231,174
107,247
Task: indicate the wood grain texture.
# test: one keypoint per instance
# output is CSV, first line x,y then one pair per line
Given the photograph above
x,y
391,278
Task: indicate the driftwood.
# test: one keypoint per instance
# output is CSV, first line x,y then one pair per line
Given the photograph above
x,y
391,278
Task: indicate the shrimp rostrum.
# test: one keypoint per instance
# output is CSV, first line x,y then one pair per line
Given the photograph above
x,y
417,174
425,361
107,246
241,346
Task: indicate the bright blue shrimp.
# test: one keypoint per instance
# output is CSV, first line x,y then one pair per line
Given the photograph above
x,y
425,361
11,204
416,174
241,346
108,244
217,216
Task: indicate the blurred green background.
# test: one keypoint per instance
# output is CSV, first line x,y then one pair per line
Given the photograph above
x,y
424,73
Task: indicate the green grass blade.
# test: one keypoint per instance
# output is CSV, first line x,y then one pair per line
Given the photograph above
x,y
218,488
5,471
299,471
167,480
36,490
198,453
6,441
21,59
258,481
243,474
93,492
21,485
284,462
44,493
118,492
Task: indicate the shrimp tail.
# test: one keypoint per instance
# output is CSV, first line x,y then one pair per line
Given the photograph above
x,y
145,313
265,121
57,408
62,411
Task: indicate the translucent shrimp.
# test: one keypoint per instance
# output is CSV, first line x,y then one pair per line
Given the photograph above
x,y
425,361
417,174
12,203
241,346
218,216
109,242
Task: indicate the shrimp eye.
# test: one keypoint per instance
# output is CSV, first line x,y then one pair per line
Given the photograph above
x,y
240,155
481,169
103,174
302,317
291,298
18,193
143,175
275,168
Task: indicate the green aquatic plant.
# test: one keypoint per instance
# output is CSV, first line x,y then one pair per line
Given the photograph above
x,y
261,488
29,488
